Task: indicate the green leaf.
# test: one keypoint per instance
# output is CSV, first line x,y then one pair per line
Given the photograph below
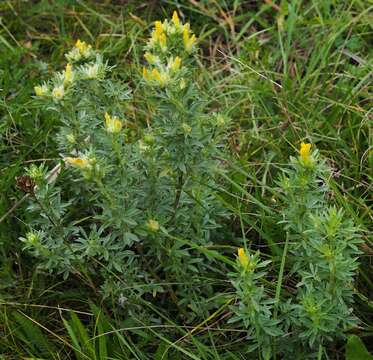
x,y
356,350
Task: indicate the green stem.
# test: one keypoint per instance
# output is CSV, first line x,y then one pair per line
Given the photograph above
x,y
319,355
279,286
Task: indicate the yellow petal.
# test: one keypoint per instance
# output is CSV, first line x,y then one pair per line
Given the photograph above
x,y
145,74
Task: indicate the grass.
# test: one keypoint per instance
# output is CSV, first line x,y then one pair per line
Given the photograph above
x,y
287,71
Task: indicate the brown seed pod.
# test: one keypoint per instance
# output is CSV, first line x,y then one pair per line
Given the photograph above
x,y
25,183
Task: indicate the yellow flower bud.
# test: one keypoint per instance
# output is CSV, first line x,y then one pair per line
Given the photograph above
x,y
158,29
243,258
145,74
175,19
186,34
188,41
187,129
41,90
113,125
163,41
305,152
68,74
153,225
161,78
150,58
175,64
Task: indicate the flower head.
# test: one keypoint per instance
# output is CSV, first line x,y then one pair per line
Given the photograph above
x,y
150,58
58,92
41,90
174,64
145,74
189,41
152,225
68,74
243,258
35,172
91,71
78,162
158,31
305,152
159,78
80,51
113,124
32,237
175,19
163,41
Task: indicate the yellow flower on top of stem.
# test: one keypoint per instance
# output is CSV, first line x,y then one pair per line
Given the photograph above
x,y
304,153
41,90
152,225
83,48
58,92
78,162
174,64
243,259
189,41
68,76
176,20
80,51
163,42
156,77
113,124
158,31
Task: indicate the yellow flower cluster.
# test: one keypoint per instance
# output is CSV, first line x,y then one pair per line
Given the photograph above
x,y
113,124
58,91
163,30
80,51
162,76
166,33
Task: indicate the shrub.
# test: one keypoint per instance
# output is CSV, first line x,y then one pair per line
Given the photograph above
x,y
323,244
130,206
